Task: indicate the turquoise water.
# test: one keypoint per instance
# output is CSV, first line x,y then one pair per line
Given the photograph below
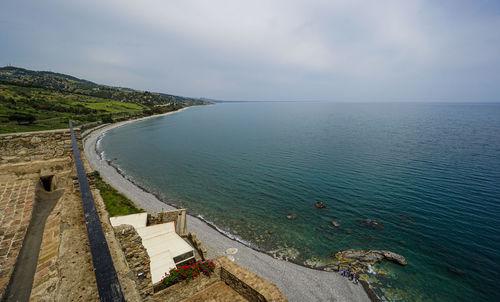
x,y
429,172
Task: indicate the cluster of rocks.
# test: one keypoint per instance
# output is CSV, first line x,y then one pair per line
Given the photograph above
x,y
285,253
369,256
374,224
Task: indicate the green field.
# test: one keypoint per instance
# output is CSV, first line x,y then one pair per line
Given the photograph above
x,y
42,104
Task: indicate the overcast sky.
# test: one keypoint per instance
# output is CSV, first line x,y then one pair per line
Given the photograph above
x,y
334,50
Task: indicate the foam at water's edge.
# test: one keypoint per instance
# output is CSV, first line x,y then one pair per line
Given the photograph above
x,y
227,234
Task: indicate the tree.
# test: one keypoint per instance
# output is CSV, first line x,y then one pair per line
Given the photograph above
x,y
107,119
22,117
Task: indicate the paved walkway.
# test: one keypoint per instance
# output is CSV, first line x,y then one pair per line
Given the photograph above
x,y
16,202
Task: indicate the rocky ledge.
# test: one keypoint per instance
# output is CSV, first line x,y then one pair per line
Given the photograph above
x,y
370,256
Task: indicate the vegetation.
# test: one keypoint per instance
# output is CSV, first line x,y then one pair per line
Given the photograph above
x,y
116,203
40,100
188,272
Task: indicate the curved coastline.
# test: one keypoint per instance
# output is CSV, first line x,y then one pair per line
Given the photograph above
x,y
297,282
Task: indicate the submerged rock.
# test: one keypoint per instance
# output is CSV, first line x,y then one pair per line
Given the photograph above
x,y
292,216
335,224
320,205
370,256
455,271
285,253
374,224
407,218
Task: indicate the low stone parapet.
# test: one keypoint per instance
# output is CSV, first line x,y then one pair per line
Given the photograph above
x,y
247,284
34,146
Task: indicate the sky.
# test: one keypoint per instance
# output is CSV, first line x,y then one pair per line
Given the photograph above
x,y
331,50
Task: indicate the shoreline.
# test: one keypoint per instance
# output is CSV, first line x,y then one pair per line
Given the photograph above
x,y
297,282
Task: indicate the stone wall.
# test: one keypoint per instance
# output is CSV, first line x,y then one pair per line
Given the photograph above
x,y
184,289
178,216
247,284
197,245
137,258
34,146
46,275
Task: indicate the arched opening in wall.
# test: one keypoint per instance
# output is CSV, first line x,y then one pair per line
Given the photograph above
x,y
47,182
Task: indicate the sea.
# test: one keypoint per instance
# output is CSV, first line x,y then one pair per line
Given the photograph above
x,y
429,173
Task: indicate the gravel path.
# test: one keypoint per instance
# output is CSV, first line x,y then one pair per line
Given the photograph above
x,y
298,283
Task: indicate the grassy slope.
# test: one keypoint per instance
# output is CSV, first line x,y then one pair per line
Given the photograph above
x,y
116,203
46,104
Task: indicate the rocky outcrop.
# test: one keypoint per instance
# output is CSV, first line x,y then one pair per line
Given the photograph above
x,y
370,256
320,205
335,224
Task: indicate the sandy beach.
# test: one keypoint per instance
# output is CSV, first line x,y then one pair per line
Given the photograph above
x,y
298,283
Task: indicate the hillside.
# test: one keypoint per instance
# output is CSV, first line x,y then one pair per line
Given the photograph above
x,y
42,100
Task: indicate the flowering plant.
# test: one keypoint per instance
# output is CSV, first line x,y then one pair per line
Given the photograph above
x,y
188,272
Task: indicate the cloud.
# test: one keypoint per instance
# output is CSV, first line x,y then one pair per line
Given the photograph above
x,y
334,49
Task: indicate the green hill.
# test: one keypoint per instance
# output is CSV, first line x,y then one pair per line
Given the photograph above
x,y
40,100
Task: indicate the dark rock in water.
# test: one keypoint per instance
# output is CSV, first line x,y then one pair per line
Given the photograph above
x,y
407,218
335,224
320,205
292,216
370,256
374,224
455,271
348,231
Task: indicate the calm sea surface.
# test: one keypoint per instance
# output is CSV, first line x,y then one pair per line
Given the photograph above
x,y
429,172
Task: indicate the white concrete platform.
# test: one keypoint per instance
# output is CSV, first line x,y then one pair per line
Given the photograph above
x,y
161,241
155,230
161,264
136,220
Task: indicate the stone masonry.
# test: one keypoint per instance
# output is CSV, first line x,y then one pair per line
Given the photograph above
x,y
137,258
247,284
34,146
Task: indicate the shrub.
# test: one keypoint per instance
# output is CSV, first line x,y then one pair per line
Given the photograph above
x,y
22,117
188,272
107,119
